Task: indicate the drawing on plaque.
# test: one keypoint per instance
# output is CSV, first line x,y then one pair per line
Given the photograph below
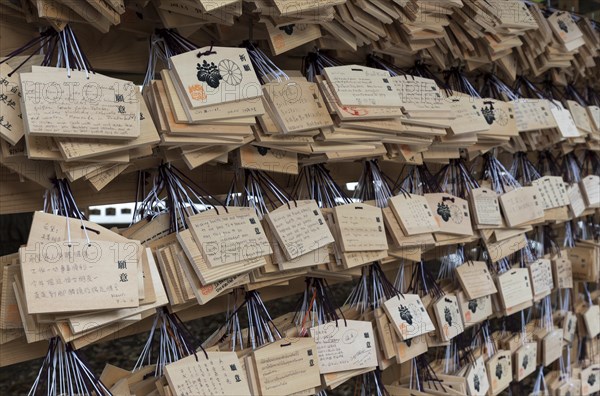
x,y
231,72
525,362
405,314
263,150
444,211
210,74
476,383
288,29
499,371
449,211
448,316
591,379
473,304
563,26
488,112
493,115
